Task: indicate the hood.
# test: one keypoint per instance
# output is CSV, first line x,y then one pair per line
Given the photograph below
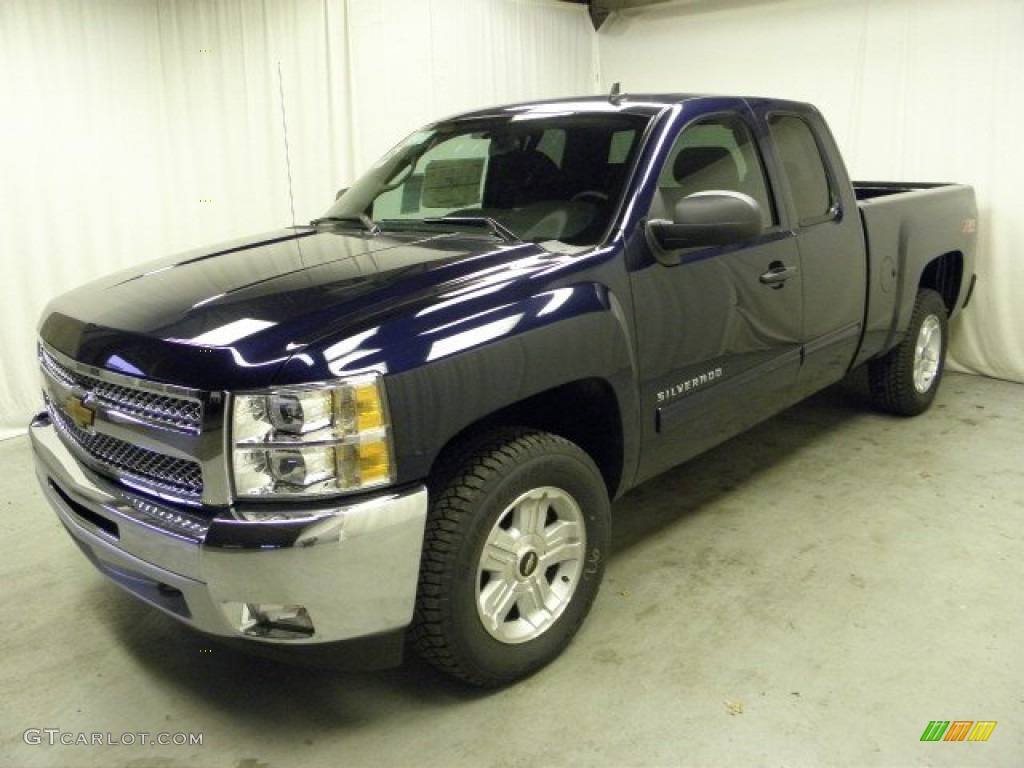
x,y
230,316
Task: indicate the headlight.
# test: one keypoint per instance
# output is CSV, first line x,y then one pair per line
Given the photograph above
x,y
312,441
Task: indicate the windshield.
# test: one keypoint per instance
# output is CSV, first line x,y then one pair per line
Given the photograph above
x,y
550,177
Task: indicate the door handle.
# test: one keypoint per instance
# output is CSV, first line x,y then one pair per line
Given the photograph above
x,y
777,274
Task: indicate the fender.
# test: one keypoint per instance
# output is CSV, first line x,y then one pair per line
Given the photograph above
x,y
513,352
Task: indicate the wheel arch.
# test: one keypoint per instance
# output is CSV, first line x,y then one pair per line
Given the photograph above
x,y
585,412
944,274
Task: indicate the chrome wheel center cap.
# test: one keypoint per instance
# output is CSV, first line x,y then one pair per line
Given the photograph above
x,y
528,564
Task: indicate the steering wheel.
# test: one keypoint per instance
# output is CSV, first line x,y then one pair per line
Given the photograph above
x,y
595,196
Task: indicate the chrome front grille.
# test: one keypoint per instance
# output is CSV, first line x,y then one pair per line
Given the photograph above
x,y
178,477
179,412
152,437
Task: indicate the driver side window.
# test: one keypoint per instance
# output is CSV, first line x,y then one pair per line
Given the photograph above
x,y
717,153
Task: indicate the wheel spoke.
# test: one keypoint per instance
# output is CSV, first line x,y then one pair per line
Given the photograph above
x,y
530,514
499,553
562,543
927,351
496,600
537,603
925,342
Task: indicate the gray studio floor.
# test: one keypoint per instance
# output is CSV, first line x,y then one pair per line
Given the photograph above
x,y
813,593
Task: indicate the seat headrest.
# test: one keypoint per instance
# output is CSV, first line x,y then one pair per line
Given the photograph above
x,y
705,161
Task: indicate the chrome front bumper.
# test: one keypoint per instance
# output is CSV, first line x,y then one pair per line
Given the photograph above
x,y
351,569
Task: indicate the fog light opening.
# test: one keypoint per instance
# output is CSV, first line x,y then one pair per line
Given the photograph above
x,y
166,590
281,622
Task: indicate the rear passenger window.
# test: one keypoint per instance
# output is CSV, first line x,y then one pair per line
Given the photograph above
x,y
804,167
621,143
552,144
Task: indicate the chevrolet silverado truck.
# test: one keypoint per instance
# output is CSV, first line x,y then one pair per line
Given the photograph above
x,y
402,426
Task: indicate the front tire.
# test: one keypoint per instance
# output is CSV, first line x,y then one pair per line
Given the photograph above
x,y
513,556
906,379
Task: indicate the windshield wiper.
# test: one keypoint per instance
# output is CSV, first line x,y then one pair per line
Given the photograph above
x,y
362,219
497,228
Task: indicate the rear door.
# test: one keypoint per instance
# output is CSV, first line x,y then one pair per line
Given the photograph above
x,y
719,333
819,202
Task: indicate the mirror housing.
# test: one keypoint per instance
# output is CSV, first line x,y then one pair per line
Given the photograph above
x,y
703,219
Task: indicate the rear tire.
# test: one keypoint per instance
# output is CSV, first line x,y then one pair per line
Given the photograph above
x,y
513,556
905,380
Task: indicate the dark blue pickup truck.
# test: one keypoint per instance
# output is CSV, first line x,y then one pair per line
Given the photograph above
x,y
403,425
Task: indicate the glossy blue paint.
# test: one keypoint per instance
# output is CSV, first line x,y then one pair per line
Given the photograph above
x,y
231,317
432,308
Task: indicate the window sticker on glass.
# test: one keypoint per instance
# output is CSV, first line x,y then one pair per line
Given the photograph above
x,y
452,183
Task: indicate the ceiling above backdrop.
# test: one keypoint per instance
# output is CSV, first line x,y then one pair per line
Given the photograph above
x,y
600,9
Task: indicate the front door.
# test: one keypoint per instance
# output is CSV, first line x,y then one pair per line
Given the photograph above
x,y
719,331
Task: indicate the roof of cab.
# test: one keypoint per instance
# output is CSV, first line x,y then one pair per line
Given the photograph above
x,y
636,103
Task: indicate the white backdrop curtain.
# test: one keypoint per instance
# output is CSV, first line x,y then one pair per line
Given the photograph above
x,y
136,128
915,90
449,55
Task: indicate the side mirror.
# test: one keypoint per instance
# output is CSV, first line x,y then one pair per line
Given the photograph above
x,y
716,217
341,192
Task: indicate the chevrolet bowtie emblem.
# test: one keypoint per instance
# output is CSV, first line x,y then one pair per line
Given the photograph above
x,y
79,413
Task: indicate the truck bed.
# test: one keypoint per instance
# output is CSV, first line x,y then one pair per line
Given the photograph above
x,y
868,190
907,225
